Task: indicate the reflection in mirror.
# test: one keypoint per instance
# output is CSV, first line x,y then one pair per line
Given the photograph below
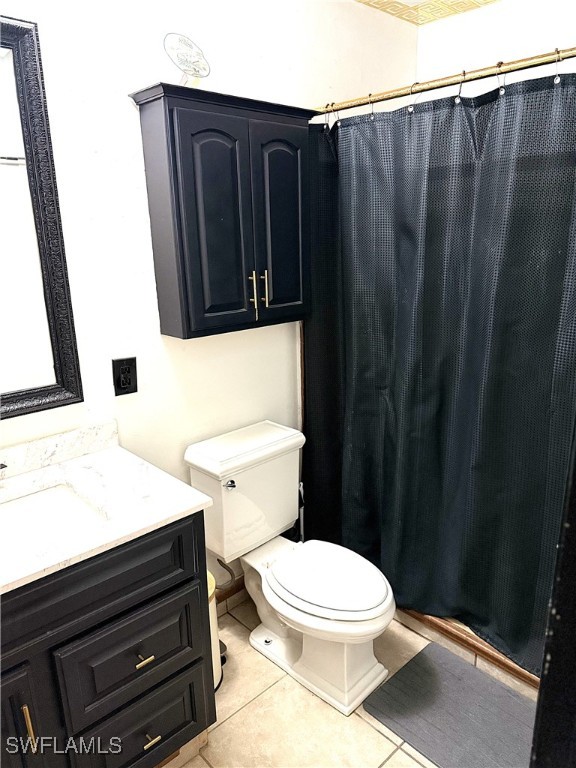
x,y
28,341
39,358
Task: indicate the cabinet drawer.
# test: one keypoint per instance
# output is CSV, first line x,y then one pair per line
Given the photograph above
x,y
175,712
98,673
102,586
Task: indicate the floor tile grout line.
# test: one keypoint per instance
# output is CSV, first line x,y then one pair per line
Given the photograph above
x,y
204,758
250,629
390,756
370,725
248,702
399,749
415,758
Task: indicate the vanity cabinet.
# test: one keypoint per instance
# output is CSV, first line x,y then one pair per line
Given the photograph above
x,y
111,653
228,197
20,710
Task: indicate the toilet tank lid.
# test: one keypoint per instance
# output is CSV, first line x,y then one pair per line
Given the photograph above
x,y
240,449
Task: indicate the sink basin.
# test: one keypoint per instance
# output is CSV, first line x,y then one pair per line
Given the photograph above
x,y
46,527
38,508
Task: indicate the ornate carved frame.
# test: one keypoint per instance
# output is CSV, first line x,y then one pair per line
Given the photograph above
x,y
22,38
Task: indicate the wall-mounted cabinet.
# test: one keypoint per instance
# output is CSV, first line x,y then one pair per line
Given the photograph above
x,y
228,197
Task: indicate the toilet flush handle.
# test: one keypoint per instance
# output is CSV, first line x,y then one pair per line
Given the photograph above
x,y
230,485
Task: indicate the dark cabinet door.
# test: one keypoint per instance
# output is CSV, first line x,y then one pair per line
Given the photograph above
x,y
279,159
19,720
213,169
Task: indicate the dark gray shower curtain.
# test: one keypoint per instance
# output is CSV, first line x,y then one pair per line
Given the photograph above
x,y
440,358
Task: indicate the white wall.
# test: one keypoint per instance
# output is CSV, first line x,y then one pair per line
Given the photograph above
x,y
302,52
503,31
305,52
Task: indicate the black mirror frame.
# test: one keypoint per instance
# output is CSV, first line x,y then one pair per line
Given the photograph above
x,y
22,38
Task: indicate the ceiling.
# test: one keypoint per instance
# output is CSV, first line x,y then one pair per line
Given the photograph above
x,y
424,11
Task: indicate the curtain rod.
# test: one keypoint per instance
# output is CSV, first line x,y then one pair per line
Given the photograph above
x,y
501,68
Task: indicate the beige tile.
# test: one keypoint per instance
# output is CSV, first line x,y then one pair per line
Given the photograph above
x,y
198,762
436,637
237,598
401,759
246,673
508,679
246,614
420,759
187,757
221,608
290,727
380,727
397,645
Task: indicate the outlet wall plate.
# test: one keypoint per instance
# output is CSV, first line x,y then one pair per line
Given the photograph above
x,y
125,377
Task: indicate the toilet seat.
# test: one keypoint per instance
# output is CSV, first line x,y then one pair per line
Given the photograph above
x,y
329,581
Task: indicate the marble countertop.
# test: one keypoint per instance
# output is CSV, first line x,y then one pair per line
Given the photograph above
x,y
60,514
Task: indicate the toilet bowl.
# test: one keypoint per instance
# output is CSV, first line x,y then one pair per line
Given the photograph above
x,y
314,626
320,604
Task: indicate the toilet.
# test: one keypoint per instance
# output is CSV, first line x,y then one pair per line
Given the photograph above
x,y
321,605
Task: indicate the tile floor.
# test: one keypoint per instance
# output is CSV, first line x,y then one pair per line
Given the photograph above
x,y
267,720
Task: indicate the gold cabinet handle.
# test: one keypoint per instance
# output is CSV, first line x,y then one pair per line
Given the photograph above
x,y
143,662
254,300
29,727
151,741
265,298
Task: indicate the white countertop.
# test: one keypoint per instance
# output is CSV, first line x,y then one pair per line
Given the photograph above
x,y
63,513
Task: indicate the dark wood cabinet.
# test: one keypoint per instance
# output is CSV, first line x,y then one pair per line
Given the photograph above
x,y
116,647
19,713
162,721
228,197
279,164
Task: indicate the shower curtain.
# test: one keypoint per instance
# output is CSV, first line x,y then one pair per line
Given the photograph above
x,y
440,357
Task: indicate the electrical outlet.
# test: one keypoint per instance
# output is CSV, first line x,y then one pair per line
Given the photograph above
x,y
125,379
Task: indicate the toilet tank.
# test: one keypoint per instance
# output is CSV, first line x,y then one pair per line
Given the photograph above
x,y
252,475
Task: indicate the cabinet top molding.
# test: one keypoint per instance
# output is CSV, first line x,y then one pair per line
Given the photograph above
x,y
210,97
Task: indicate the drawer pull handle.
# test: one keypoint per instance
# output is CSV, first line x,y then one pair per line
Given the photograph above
x,y
143,662
29,727
151,741
266,298
254,300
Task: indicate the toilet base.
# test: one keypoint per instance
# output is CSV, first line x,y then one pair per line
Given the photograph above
x,y
341,674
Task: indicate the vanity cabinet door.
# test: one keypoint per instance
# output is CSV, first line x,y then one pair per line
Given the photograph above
x,y
279,162
213,166
19,720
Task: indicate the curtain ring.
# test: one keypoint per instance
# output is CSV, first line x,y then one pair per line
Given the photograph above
x,y
458,98
501,88
371,105
411,106
327,117
335,113
558,60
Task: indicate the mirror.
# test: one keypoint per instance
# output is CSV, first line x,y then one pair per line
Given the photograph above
x,y
40,366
